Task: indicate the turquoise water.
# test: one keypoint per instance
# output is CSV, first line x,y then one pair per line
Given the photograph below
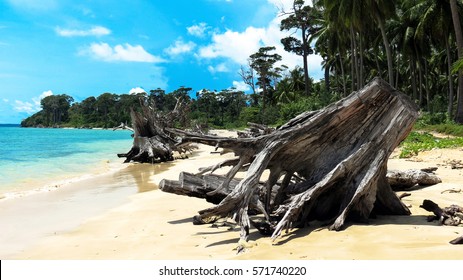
x,y
32,158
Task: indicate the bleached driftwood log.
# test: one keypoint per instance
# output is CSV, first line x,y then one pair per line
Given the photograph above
x,y
404,180
331,164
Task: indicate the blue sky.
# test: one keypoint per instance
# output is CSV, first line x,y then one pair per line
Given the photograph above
x,y
89,47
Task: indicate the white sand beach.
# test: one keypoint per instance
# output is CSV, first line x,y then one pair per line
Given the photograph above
x,y
139,222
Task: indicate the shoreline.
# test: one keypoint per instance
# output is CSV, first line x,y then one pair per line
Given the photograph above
x,y
103,168
87,154
158,226
32,215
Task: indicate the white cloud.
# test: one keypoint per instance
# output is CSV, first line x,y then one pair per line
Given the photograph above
x,y
45,94
94,31
137,90
198,30
33,106
180,47
6,100
27,107
241,86
238,46
222,67
126,52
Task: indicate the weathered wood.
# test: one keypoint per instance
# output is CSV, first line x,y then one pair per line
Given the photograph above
x,y
209,187
458,240
449,216
152,142
340,154
255,130
200,186
123,126
404,180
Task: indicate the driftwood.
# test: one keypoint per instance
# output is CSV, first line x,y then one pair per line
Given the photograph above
x,y
255,130
208,187
151,141
458,240
449,216
123,126
199,186
331,164
404,180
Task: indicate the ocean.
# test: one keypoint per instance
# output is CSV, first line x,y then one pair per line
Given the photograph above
x,y
32,159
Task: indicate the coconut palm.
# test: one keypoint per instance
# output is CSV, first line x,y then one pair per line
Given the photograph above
x,y
459,37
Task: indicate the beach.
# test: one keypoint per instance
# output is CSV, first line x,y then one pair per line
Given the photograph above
x,y
133,220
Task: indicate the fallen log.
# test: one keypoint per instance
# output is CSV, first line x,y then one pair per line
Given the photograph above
x,y
331,163
208,187
404,180
199,186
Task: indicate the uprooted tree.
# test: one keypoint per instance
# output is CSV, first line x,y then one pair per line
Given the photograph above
x,y
151,140
327,165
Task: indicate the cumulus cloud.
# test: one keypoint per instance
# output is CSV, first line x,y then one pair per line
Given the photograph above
x,y
137,90
241,86
6,100
238,46
126,52
94,31
198,30
234,45
28,107
180,47
32,106
222,67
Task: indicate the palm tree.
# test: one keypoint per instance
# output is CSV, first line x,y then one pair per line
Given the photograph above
x,y
433,23
381,11
459,37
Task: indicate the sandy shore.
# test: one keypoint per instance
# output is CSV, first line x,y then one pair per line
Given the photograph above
x,y
129,219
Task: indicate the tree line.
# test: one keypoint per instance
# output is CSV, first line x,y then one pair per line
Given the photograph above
x,y
417,46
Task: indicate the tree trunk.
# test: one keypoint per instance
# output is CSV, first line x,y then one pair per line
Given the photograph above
x,y
305,57
450,77
152,142
344,86
332,163
413,78
459,38
387,47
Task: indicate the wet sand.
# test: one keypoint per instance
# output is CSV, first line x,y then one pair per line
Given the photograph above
x,y
140,222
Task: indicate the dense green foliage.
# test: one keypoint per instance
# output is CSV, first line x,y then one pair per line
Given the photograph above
x,y
415,45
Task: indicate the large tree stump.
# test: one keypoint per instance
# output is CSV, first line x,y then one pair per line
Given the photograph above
x,y
331,163
151,141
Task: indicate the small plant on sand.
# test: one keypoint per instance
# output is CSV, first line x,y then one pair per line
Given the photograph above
x,y
423,141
